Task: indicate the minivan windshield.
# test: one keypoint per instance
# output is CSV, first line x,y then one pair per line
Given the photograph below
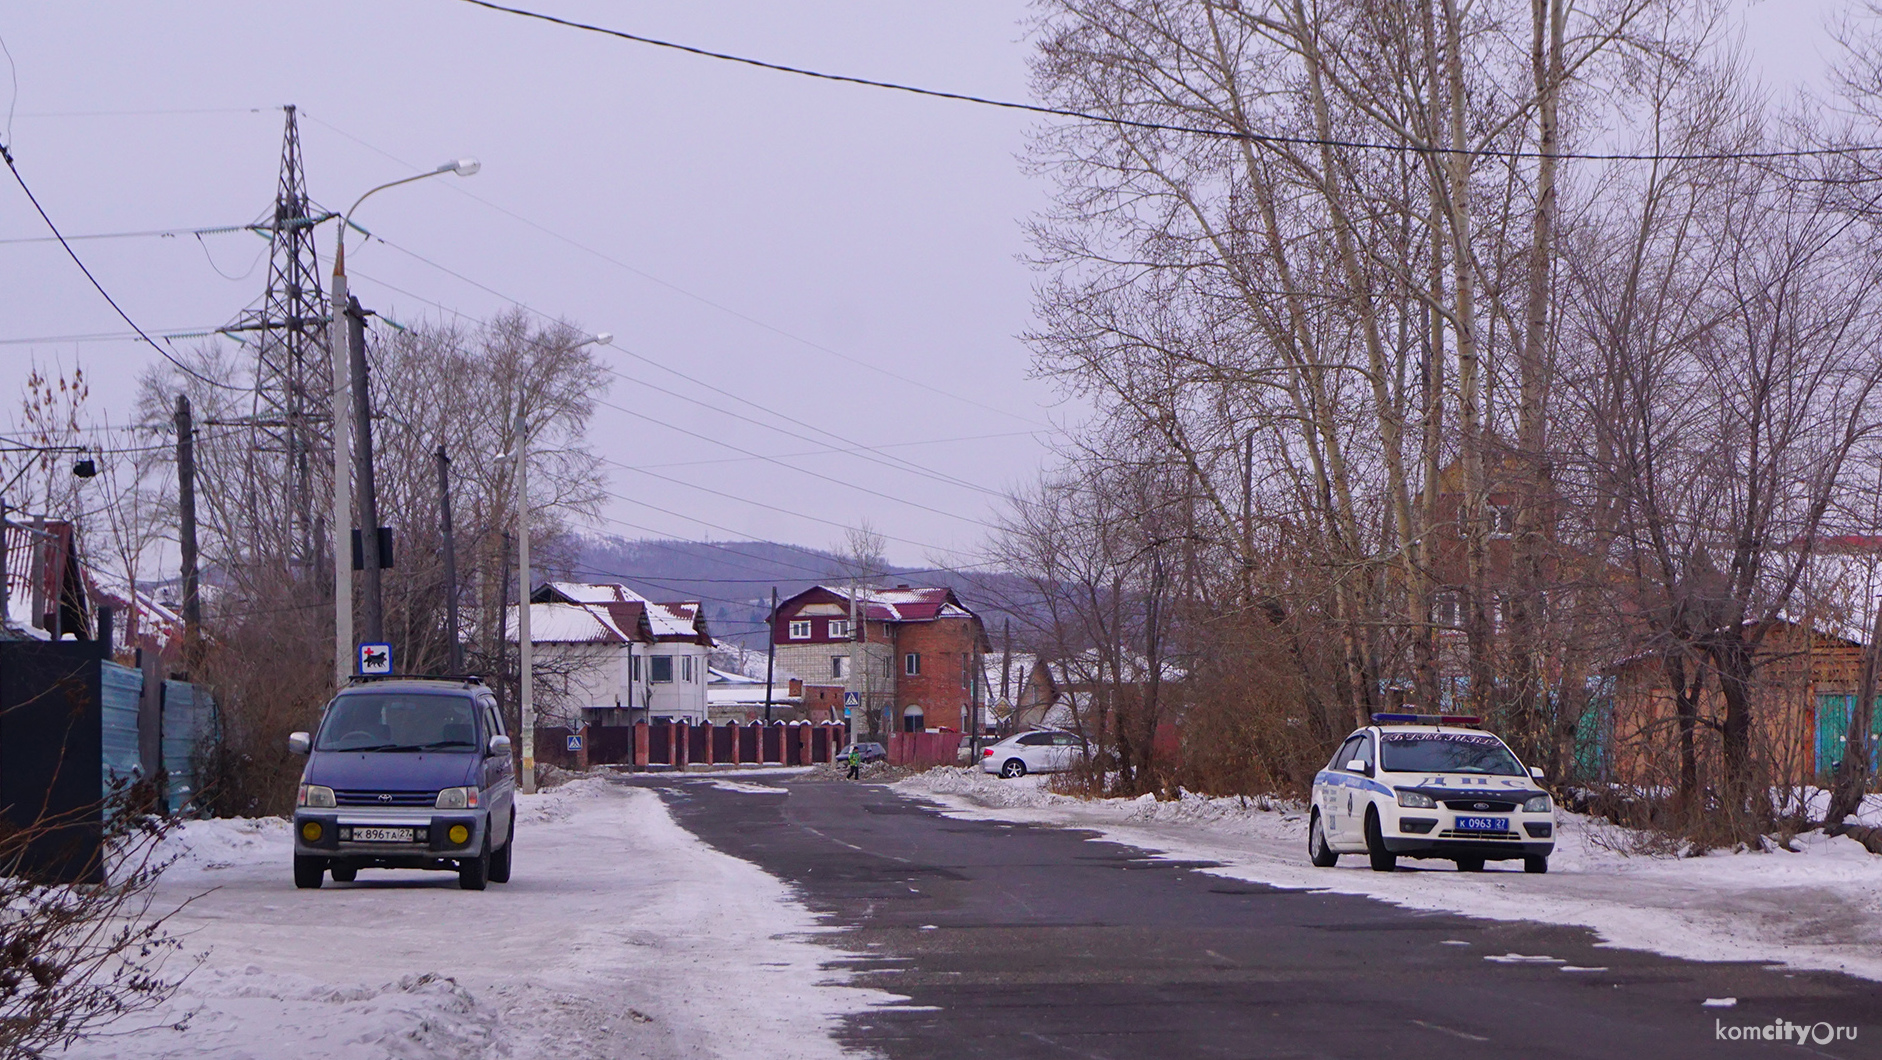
x,y
1447,752
399,721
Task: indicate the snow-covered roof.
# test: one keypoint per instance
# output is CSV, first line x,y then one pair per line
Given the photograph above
x,y
902,603
666,620
560,623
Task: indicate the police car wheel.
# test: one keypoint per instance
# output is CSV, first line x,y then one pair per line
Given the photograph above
x,y
1537,863
1013,768
308,871
1323,856
1470,864
1383,860
343,873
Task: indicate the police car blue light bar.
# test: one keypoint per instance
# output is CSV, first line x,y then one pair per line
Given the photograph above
x,y
1425,719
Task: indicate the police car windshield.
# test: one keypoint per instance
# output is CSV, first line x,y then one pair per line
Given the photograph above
x,y
1447,752
382,721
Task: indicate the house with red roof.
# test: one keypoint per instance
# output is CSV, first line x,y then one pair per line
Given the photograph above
x,y
911,659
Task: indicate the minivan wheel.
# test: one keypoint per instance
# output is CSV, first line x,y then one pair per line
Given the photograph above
x,y
1537,863
343,873
1470,864
500,859
474,873
1013,768
308,871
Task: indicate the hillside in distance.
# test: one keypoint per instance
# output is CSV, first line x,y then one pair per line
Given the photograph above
x,y
734,579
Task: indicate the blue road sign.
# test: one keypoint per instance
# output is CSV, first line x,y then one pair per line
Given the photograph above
x,y
575,741
375,658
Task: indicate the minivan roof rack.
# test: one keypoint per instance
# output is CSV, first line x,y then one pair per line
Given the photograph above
x,y
469,679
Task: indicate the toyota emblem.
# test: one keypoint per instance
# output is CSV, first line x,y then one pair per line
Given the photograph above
x,y
1474,805
388,798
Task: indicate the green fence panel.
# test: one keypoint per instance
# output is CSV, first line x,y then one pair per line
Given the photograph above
x,y
1833,732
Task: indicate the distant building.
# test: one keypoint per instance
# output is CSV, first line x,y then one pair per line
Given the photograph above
x,y
615,657
913,664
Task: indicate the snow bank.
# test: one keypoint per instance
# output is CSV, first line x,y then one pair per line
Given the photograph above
x,y
621,934
1821,908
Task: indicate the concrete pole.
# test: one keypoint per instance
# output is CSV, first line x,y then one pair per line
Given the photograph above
x,y
342,522
525,652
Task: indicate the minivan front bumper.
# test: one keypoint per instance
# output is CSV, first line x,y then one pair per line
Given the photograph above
x,y
329,833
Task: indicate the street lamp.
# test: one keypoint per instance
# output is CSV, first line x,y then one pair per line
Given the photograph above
x,y
525,655
341,340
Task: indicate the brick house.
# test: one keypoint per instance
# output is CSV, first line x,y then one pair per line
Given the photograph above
x,y
912,662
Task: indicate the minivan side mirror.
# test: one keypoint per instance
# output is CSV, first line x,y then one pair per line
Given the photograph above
x,y
499,745
1536,772
299,743
1358,765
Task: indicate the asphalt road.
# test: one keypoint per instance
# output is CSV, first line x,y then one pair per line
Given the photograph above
x,y
1023,941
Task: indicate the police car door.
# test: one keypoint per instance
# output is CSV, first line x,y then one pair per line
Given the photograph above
x,y
1333,806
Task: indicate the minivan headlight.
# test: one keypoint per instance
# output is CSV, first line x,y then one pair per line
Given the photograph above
x,y
1415,800
457,799
1536,804
315,796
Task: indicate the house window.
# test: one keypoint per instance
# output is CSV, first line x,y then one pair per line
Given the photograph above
x,y
686,669
1447,609
1502,519
662,669
800,630
911,664
633,668
964,664
839,666
912,720
839,629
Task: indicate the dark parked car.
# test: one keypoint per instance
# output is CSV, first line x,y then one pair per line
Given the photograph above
x,y
412,773
872,752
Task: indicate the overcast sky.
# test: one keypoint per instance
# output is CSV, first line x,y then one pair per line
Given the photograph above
x,y
774,235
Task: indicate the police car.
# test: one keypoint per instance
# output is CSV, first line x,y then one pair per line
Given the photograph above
x,y
1429,786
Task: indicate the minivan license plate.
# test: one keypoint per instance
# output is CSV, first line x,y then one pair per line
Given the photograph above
x,y
393,835
1483,824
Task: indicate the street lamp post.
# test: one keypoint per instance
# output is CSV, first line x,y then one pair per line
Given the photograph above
x,y
525,653
341,341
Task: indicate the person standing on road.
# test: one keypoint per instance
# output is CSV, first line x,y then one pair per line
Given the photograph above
x,y
856,762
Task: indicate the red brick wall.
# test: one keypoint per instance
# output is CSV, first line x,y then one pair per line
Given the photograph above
x,y
938,689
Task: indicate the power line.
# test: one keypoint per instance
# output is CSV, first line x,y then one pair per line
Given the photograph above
x,y
791,467
1194,130
895,462
73,254
677,289
210,230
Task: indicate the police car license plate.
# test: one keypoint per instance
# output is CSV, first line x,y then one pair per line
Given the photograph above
x,y
387,835
1483,824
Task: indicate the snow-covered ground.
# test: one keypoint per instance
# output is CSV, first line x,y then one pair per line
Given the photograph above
x,y
620,935
1821,908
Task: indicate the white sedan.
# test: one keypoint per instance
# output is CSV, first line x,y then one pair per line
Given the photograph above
x,y
1042,751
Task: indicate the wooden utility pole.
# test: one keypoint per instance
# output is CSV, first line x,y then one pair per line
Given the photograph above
x,y
456,655
771,650
186,530
371,604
